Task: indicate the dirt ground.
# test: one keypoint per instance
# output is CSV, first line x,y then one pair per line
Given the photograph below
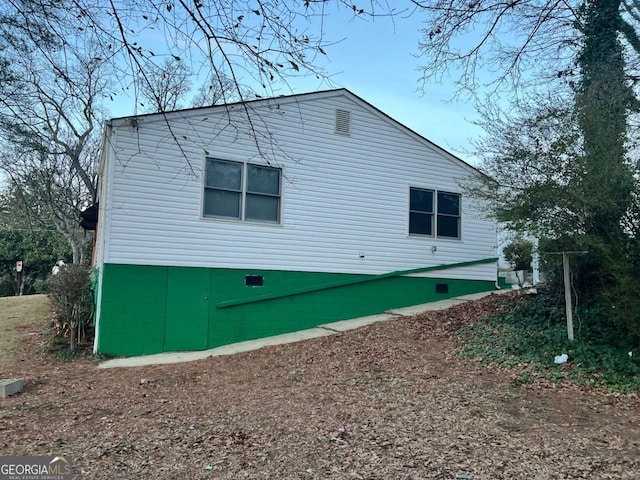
x,y
388,401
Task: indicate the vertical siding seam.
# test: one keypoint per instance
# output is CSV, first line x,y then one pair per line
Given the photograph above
x,y
166,301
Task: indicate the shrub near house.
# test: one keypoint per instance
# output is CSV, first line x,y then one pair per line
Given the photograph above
x,y
70,295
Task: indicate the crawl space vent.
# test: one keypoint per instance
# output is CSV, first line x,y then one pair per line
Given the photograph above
x,y
343,122
254,281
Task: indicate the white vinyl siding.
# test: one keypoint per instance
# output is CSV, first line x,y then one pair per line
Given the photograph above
x,y
340,195
105,196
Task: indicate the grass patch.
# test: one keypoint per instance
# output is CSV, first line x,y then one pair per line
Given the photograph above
x,y
528,333
35,310
16,312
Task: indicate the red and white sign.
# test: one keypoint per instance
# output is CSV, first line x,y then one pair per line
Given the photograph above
x,y
19,266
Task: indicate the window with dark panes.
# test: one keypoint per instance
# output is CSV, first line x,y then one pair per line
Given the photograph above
x,y
242,191
448,218
263,194
434,213
420,211
223,189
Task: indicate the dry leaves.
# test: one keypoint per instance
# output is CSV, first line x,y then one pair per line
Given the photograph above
x,y
388,401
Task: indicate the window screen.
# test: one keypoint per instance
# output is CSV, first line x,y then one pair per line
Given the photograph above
x,y
448,215
227,194
434,212
223,189
420,211
263,193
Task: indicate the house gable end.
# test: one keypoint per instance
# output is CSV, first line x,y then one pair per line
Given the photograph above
x,y
249,107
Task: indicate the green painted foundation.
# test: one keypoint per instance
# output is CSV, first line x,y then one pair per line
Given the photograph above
x,y
149,309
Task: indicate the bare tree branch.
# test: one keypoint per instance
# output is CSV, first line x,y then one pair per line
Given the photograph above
x,y
498,43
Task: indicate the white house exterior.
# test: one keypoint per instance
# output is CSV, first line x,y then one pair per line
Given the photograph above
x,y
238,221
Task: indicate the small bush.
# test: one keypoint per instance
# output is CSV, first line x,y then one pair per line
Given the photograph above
x,y
39,286
71,298
519,253
6,287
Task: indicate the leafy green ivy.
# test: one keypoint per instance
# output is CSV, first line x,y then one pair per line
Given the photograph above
x,y
530,333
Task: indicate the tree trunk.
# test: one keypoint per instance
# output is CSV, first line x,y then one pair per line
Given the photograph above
x,y
16,282
602,101
19,279
87,239
72,337
75,249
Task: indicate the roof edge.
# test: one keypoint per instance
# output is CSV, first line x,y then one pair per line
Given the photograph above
x,y
318,93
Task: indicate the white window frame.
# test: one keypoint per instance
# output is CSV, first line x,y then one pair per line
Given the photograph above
x,y
244,181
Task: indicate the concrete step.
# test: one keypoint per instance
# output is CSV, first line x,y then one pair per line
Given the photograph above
x,y
10,386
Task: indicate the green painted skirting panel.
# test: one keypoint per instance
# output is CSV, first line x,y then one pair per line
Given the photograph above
x,y
132,310
154,309
187,317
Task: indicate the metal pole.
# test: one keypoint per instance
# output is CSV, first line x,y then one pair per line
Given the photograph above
x,y
567,295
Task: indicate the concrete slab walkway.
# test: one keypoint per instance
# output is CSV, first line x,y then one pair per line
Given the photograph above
x,y
319,331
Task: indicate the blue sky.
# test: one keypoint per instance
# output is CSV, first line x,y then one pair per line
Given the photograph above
x,y
376,60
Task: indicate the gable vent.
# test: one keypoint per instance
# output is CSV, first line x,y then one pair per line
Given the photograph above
x,y
343,122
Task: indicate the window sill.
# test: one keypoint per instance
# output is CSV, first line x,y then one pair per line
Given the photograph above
x,y
241,222
433,238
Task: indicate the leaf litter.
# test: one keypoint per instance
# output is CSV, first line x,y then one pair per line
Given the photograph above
x,y
387,401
